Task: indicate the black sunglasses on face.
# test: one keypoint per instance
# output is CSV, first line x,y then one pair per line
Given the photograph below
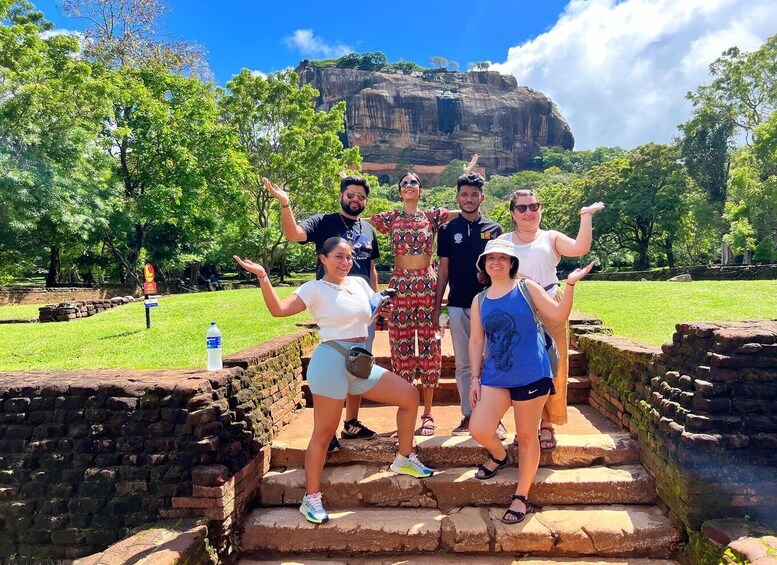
x,y
405,183
352,195
534,206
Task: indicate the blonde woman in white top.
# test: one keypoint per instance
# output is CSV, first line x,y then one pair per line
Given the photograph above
x,y
539,252
340,305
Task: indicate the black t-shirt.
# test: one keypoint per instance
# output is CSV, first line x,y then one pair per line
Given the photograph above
x,y
321,227
462,242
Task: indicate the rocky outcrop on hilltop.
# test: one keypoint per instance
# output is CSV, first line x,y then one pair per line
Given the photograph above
x,y
428,119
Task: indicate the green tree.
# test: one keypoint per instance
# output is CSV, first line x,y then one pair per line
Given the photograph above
x,y
744,86
287,141
705,145
438,62
51,109
176,164
644,192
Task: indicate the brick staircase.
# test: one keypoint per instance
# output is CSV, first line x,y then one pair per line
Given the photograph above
x,y
596,502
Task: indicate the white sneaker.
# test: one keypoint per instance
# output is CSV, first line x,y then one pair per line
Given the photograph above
x,y
313,509
410,465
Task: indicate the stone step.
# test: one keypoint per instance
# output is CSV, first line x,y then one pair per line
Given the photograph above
x,y
371,485
605,531
587,439
448,559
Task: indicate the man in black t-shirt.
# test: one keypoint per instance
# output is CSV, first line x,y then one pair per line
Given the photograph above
x,y
354,191
459,244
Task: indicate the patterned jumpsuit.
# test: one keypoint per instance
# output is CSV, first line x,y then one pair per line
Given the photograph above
x,y
413,234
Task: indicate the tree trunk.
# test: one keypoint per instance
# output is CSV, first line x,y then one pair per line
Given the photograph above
x,y
55,264
642,263
669,253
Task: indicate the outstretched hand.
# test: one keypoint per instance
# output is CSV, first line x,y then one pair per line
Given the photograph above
x,y
578,274
276,191
593,208
472,164
251,267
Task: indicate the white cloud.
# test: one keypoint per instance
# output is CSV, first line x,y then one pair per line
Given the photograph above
x,y
619,70
53,32
255,73
310,45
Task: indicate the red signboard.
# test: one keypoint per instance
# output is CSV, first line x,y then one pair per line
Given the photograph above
x,y
149,287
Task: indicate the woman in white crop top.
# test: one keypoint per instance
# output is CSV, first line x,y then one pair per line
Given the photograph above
x,y
539,252
340,305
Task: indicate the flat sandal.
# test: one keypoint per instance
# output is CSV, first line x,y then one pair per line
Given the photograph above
x,y
519,516
490,473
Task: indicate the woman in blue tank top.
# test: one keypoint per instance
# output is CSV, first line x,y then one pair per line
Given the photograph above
x,y
516,370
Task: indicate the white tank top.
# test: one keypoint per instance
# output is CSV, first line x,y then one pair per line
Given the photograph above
x,y
536,260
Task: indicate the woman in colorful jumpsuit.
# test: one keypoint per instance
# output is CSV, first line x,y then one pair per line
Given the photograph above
x,y
415,280
340,305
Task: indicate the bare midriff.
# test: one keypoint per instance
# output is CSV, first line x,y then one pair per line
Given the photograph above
x,y
353,339
412,261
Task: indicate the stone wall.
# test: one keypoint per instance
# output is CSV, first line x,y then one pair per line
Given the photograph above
x,y
702,410
55,295
87,456
698,273
67,311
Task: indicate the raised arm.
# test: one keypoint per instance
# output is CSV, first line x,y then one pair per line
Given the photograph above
x,y
470,167
277,307
291,229
548,308
568,247
475,350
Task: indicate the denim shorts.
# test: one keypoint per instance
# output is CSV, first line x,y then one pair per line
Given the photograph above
x,y
532,390
327,376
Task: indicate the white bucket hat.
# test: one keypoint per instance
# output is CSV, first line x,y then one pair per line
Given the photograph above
x,y
497,246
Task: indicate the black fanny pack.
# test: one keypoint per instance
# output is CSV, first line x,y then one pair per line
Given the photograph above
x,y
358,360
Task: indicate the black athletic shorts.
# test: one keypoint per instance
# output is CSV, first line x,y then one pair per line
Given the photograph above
x,y
532,390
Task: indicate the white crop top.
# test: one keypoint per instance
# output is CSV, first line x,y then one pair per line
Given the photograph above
x,y
342,311
536,260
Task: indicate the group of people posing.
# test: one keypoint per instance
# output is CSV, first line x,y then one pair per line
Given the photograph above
x,y
501,359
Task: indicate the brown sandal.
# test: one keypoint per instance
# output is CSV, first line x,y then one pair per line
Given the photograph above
x,y
550,444
428,427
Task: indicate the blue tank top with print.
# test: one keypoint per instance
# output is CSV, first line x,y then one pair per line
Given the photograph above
x,y
516,355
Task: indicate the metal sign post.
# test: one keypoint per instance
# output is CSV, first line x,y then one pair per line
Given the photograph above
x,y
149,288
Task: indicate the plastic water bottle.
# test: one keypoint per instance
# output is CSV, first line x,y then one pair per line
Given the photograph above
x,y
444,319
213,340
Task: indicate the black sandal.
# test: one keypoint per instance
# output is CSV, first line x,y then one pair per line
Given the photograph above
x,y
489,473
519,516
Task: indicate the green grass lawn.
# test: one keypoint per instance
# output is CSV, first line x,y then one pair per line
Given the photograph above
x,y
119,338
648,311
643,311
19,311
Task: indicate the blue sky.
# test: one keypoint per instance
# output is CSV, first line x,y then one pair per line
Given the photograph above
x,y
618,70
259,34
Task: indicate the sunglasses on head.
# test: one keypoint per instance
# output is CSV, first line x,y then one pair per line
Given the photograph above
x,y
405,183
352,195
534,206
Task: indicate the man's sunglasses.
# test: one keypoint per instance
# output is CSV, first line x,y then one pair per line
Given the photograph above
x,y
352,195
405,183
534,206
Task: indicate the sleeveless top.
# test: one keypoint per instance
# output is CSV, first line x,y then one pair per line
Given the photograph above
x,y
516,355
536,260
411,234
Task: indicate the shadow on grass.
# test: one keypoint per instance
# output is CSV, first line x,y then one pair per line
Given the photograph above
x,y
122,334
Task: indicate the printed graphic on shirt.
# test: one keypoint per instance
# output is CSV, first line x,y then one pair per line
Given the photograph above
x,y
458,238
502,337
485,235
